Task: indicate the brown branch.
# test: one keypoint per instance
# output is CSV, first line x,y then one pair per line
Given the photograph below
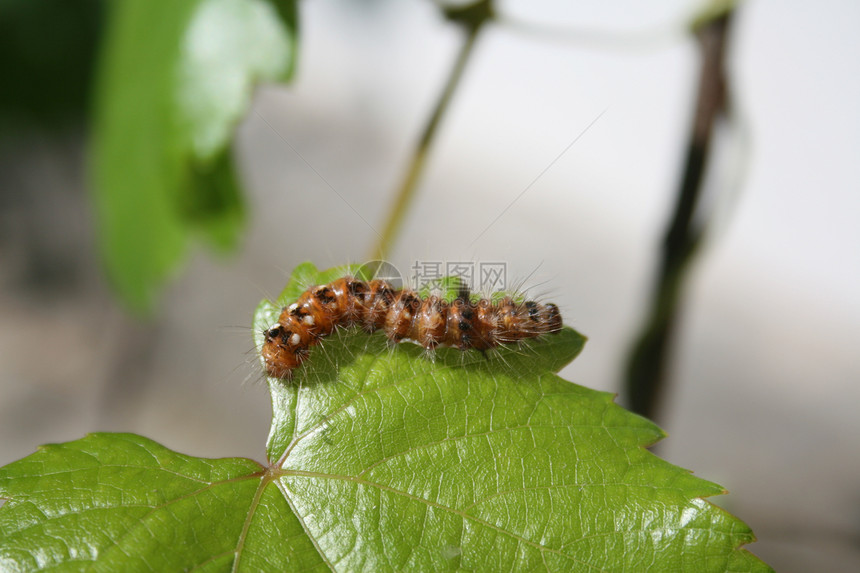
x,y
647,365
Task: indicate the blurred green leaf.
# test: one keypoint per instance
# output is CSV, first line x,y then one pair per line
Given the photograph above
x,y
383,460
176,78
214,203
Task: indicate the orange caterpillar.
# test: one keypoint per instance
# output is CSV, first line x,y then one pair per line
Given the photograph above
x,y
402,314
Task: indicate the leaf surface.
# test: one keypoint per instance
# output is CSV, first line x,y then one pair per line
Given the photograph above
x,y
383,460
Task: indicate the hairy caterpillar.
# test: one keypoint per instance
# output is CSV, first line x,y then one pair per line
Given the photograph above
x,y
403,314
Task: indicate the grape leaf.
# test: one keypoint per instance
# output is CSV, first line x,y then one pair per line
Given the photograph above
x,y
383,460
175,79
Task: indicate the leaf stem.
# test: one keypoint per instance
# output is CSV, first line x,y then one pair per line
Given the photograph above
x,y
647,363
472,19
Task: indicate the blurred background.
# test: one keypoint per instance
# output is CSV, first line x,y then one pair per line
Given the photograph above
x,y
763,382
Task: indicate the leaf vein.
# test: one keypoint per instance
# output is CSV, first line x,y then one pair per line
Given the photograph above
x,y
280,485
249,517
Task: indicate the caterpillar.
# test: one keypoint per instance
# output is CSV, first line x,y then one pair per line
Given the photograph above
x,y
404,315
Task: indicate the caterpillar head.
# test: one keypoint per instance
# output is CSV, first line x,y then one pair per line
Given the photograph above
x,y
282,351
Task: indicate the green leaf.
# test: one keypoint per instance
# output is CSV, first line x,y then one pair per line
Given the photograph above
x,y
383,460
120,502
175,79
